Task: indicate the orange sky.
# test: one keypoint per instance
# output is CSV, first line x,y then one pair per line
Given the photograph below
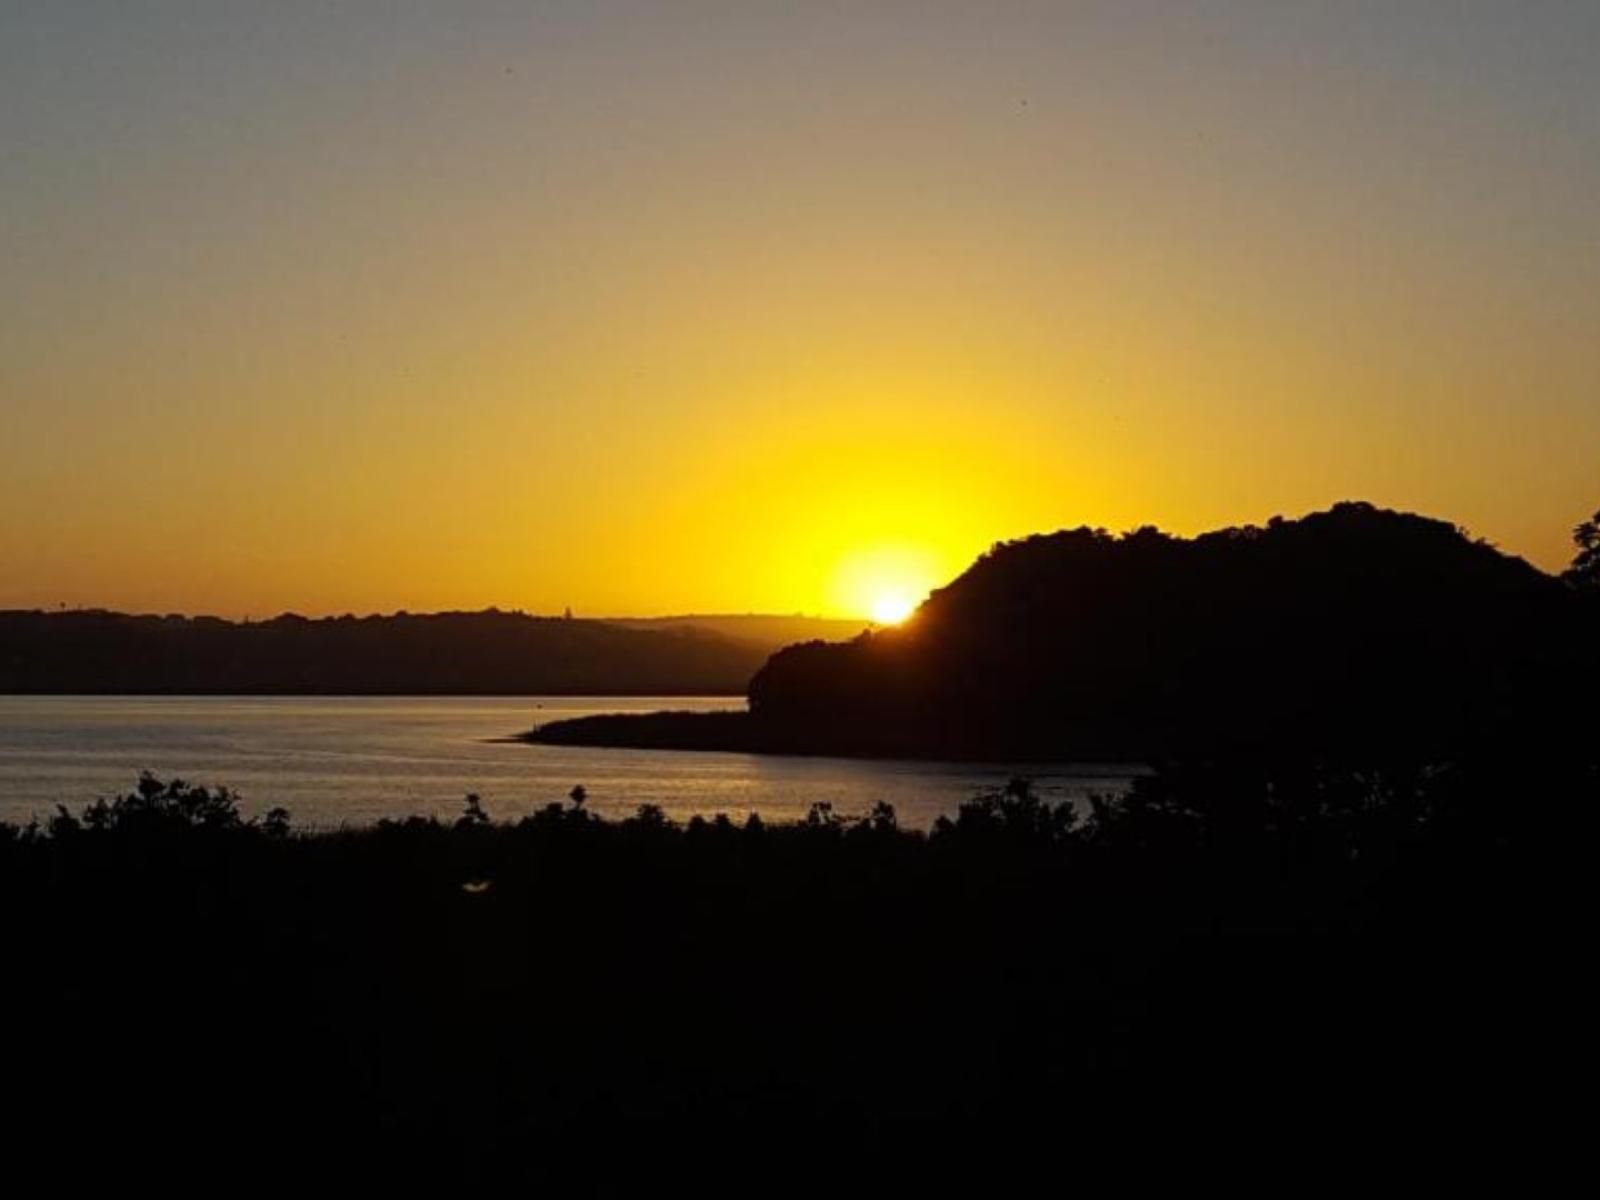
x,y
645,309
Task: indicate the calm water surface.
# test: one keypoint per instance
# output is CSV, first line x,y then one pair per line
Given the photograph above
x,y
333,761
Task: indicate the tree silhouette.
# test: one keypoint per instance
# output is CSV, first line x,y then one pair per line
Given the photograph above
x,y
1585,569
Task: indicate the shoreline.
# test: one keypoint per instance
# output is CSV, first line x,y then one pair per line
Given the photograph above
x,y
742,732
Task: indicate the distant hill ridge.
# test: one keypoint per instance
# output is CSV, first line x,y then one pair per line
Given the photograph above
x,y
768,630
489,652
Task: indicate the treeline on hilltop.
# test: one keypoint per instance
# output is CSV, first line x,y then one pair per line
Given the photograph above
x,y
488,652
1357,630
1329,944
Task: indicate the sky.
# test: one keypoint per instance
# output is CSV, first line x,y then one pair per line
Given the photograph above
x,y
649,308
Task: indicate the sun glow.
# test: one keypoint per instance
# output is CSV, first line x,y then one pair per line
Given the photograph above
x,y
886,583
890,608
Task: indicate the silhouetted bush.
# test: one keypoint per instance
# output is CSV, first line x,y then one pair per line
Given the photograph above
x,y
1585,569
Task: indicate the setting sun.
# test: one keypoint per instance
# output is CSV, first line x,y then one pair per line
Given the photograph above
x,y
890,608
887,581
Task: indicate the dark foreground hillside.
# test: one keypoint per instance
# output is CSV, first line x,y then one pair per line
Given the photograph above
x,y
482,653
1366,958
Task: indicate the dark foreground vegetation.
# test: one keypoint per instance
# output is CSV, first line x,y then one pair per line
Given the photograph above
x,y
481,653
1352,631
1362,955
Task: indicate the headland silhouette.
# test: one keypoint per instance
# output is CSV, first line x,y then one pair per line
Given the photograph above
x,y
1357,631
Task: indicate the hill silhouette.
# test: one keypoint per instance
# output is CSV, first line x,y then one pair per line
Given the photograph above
x,y
772,632
484,653
1356,629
